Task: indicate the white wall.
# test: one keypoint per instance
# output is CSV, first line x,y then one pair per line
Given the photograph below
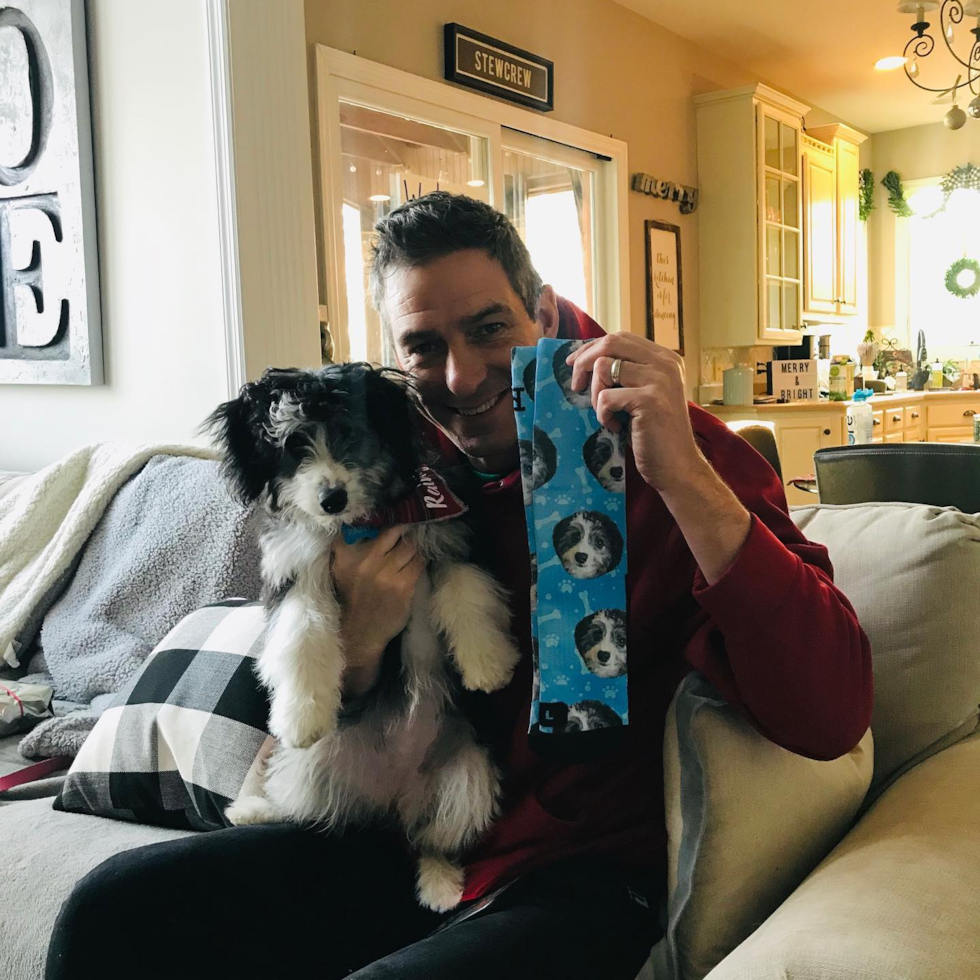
x,y
162,320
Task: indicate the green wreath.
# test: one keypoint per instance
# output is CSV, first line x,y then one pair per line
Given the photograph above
x,y
955,269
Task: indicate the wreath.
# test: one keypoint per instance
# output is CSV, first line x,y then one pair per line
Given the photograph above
x,y
952,274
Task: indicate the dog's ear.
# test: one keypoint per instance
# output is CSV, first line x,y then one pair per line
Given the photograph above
x,y
238,428
392,414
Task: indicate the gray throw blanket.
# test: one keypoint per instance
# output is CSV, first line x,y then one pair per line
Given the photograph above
x,y
172,540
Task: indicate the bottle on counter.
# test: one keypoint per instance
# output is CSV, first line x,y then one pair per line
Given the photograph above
x,y
936,375
860,421
902,380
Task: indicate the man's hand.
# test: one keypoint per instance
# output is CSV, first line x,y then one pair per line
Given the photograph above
x,y
652,393
375,582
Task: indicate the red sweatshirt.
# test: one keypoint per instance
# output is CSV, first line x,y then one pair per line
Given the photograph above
x,y
774,636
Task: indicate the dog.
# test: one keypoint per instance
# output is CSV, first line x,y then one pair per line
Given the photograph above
x,y
604,453
601,642
587,716
321,449
588,544
563,375
539,461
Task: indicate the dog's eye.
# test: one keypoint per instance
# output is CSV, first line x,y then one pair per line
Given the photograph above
x,y
600,541
295,444
619,636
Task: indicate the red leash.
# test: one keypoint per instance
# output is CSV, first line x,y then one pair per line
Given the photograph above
x,y
37,771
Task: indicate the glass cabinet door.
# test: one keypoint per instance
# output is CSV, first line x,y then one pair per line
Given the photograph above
x,y
780,222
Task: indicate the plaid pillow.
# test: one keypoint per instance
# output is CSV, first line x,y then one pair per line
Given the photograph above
x,y
179,741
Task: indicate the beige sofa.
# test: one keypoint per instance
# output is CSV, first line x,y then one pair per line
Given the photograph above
x,y
758,887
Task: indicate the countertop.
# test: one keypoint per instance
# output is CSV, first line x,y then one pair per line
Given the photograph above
x,y
825,405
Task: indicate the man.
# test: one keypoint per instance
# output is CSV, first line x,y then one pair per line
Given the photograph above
x,y
568,881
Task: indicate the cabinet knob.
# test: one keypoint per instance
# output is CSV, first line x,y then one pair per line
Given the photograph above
x,y
915,415
896,418
826,432
876,421
968,413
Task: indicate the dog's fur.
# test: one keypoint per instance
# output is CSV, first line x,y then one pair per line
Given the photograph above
x,y
588,543
321,449
586,716
563,375
539,461
605,456
601,642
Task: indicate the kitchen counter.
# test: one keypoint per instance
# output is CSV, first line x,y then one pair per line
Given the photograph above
x,y
825,404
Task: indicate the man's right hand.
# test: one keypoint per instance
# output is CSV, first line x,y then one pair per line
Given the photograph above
x,y
375,582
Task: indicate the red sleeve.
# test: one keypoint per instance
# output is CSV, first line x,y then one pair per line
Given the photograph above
x,y
782,642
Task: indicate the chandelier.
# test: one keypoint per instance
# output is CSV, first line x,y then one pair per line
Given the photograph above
x,y
953,31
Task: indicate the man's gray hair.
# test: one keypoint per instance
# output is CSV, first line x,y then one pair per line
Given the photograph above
x,y
431,227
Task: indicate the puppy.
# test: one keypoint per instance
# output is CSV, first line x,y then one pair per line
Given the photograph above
x,y
605,456
588,543
563,375
321,449
586,716
539,461
601,642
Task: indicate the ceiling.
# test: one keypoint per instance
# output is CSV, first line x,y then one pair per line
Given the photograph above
x,y
823,53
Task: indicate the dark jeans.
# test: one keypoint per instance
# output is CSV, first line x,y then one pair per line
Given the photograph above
x,y
280,901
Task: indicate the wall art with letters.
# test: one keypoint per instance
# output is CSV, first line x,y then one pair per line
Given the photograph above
x,y
50,321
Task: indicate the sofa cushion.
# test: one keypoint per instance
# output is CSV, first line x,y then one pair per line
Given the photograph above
x,y
746,822
176,746
911,573
896,898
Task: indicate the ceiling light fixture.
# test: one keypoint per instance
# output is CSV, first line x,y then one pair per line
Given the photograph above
x,y
891,62
922,44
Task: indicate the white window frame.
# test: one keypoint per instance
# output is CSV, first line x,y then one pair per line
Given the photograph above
x,y
341,76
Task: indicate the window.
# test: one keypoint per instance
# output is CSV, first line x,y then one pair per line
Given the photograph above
x,y
387,136
930,241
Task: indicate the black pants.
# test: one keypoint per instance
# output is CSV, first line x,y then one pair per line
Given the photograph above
x,y
280,901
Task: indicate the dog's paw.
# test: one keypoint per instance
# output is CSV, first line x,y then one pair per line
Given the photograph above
x,y
247,811
440,884
300,723
489,666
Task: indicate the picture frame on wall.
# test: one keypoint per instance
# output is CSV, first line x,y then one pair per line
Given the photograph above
x,y
665,296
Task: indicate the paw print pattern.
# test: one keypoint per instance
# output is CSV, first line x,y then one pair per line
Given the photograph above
x,y
551,641
588,687
565,587
612,505
609,693
562,500
561,680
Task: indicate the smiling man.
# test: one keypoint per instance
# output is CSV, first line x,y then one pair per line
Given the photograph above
x,y
569,880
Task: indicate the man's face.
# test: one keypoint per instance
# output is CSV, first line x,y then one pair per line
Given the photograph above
x,y
453,323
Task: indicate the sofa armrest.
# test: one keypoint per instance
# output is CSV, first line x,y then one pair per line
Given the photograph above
x,y
896,898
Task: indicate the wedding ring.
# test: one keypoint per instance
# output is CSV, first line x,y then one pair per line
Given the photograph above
x,y
614,371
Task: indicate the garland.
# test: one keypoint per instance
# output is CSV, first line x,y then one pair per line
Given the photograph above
x,y
966,176
866,199
955,269
896,194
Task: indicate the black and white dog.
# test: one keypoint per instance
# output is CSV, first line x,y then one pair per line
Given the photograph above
x,y
539,461
588,543
601,642
587,716
337,446
604,453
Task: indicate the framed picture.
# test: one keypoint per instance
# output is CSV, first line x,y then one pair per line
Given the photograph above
x,y
665,299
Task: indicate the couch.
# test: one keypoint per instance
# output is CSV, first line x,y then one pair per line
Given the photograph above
x,y
780,867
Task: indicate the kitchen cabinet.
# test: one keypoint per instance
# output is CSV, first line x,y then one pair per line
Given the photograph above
x,y
952,421
831,175
750,217
798,438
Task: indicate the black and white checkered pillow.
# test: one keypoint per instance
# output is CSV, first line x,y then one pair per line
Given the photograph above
x,y
182,737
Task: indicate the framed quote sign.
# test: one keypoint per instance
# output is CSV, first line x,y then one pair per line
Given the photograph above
x,y
665,300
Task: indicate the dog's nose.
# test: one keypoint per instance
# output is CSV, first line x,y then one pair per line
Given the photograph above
x,y
602,656
334,500
581,557
616,472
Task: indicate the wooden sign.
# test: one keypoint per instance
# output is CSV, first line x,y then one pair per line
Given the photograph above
x,y
686,197
794,381
497,68
665,301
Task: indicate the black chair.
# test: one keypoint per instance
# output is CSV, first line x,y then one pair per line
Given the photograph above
x,y
943,474
761,439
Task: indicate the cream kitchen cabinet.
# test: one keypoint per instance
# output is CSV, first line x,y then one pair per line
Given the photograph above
x,y
831,175
798,437
750,217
